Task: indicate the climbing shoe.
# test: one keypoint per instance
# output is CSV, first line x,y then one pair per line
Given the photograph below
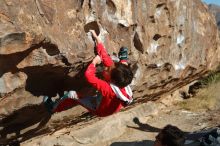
x,y
123,53
49,104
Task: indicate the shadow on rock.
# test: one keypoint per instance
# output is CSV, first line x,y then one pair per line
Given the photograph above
x,y
144,127
45,80
51,80
136,143
24,124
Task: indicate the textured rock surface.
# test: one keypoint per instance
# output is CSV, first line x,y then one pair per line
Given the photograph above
x,y
45,47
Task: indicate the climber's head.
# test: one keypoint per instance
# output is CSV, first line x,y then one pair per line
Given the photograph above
x,y
121,75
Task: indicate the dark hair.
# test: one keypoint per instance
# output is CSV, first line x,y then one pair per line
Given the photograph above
x,y
171,136
121,75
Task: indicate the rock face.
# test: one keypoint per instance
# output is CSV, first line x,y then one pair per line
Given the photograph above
x,y
215,9
45,47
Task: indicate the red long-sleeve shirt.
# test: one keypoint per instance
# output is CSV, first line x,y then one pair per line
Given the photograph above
x,y
110,103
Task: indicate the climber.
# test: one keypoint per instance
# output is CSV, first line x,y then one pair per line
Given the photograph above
x,y
113,93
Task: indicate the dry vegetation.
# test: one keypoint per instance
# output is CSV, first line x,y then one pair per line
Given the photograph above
x,y
208,96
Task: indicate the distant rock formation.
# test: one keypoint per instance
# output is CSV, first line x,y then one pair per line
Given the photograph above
x,y
215,9
45,47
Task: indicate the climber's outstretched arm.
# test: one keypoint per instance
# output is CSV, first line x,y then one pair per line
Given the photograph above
x,y
106,59
98,40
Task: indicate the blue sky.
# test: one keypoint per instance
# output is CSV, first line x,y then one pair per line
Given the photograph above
x,y
212,2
